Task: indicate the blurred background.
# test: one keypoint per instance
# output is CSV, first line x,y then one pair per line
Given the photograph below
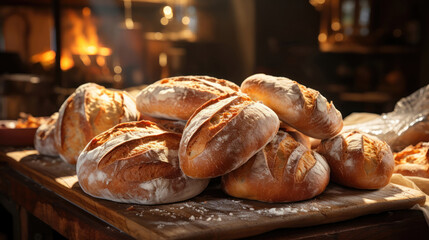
x,y
363,55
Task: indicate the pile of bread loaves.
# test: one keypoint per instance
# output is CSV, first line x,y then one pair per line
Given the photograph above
x,y
180,132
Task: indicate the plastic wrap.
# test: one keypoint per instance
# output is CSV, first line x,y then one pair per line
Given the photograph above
x,y
406,125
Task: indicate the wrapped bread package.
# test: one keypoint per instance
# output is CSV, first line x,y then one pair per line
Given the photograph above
x,y
407,124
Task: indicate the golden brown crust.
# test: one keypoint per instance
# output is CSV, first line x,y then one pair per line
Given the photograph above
x,y
136,162
223,134
177,98
284,171
358,160
90,110
44,139
413,160
303,108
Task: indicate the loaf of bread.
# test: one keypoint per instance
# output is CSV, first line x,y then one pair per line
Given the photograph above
x,y
90,110
223,134
44,139
178,97
358,160
413,160
171,125
284,171
302,108
298,136
136,162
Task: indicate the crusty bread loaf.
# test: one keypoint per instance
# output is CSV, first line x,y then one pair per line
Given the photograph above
x,y
298,136
223,134
171,125
303,108
358,160
44,139
413,160
136,162
90,110
284,171
178,97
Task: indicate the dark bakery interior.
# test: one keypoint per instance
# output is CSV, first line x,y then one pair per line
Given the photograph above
x,y
363,55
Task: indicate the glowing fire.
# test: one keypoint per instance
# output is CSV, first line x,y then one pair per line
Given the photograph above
x,y
79,39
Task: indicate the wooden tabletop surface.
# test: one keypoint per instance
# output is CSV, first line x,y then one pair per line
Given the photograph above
x,y
48,188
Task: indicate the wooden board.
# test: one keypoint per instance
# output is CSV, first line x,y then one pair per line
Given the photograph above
x,y
212,214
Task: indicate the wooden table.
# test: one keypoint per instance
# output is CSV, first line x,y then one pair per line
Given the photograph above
x,y
24,192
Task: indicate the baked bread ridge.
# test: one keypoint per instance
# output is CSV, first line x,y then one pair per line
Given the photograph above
x,y
44,139
283,171
176,98
136,162
303,108
223,134
413,160
358,160
90,110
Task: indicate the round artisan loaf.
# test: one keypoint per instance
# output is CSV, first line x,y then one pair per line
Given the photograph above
x,y
284,171
178,97
303,108
90,110
358,160
223,134
413,160
136,162
44,139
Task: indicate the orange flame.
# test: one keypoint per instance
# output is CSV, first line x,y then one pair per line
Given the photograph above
x,y
79,38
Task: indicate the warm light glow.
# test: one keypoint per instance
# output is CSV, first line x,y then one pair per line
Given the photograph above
x,y
91,50
167,10
158,36
117,69
85,60
322,37
164,21
80,40
86,11
44,57
129,23
35,80
117,78
103,51
339,37
66,63
162,59
101,61
186,20
336,26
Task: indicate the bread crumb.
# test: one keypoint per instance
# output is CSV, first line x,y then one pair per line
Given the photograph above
x,y
130,208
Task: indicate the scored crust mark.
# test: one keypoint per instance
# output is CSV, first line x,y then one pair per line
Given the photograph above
x,y
119,130
309,95
278,154
210,102
201,82
143,172
305,164
131,149
371,155
285,153
214,124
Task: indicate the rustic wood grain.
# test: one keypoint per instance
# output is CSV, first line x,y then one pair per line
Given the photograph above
x,y
212,214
